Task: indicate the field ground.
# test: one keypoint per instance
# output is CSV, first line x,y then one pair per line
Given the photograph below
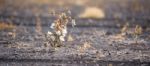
x,y
93,41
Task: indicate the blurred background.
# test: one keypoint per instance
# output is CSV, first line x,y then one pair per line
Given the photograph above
x,y
126,8
25,11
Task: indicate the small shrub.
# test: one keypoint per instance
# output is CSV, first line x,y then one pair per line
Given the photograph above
x,y
137,31
59,30
125,29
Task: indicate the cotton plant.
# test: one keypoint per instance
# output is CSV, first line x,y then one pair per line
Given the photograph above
x,y
59,30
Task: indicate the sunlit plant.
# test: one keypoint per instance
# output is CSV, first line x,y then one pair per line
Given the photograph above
x,y
125,29
137,31
59,30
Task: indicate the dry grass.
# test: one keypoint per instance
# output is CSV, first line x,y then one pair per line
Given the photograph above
x,y
125,29
137,32
118,37
38,27
110,64
84,47
4,26
92,12
19,46
69,38
10,26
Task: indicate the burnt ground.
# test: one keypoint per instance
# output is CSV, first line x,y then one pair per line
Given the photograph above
x,y
25,46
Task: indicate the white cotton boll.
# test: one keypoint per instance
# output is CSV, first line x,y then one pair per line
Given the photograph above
x,y
49,33
52,37
52,25
58,32
73,22
64,31
62,38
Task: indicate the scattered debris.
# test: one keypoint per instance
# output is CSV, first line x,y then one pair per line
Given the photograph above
x,y
19,45
99,54
117,37
12,34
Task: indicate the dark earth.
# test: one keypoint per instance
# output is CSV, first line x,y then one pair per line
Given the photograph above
x,y
93,42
